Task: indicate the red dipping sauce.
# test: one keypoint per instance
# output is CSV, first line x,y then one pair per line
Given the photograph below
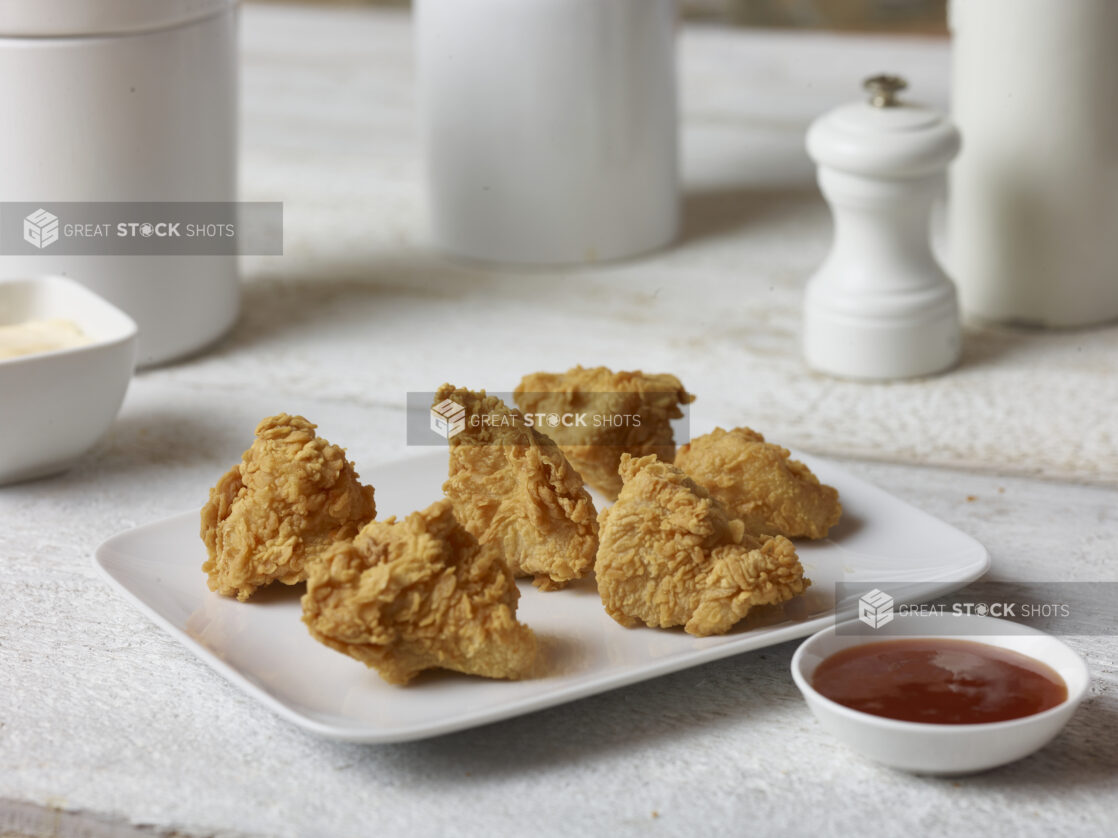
x,y
939,681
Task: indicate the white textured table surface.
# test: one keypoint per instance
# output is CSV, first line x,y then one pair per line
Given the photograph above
x,y
106,723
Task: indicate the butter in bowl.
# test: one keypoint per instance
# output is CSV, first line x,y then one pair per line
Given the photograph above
x,y
66,358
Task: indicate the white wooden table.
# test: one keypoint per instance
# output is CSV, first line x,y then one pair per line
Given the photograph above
x,y
107,725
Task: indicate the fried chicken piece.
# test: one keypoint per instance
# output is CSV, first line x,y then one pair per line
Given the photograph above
x,y
416,594
511,486
286,503
759,483
671,555
623,413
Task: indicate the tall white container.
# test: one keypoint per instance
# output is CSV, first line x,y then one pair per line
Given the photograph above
x,y
1034,194
549,127
119,100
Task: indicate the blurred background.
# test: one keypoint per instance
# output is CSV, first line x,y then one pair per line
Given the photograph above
x,y
927,17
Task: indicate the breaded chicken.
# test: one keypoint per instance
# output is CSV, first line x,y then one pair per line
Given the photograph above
x,y
759,483
512,487
671,555
292,496
417,594
621,413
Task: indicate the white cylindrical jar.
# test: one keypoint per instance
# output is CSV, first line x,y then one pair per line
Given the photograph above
x,y
549,127
1034,195
122,101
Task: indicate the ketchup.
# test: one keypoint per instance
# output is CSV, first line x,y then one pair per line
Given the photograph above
x,y
939,681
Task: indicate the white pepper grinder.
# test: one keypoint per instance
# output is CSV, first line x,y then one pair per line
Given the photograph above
x,y
880,306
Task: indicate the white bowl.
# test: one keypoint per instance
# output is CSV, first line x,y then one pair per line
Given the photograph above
x,y
943,749
55,405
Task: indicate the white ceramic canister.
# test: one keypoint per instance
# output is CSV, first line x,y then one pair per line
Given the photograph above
x,y
120,100
1034,194
549,127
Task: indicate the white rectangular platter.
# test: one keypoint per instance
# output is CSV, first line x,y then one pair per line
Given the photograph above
x,y
263,647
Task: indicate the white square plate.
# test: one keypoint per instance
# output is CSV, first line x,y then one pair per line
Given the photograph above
x,y
263,647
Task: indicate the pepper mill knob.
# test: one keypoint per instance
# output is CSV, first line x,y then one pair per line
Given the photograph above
x,y
880,306
884,90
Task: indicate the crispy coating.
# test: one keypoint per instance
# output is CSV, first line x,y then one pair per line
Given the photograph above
x,y
626,413
671,556
512,487
417,594
759,483
292,496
